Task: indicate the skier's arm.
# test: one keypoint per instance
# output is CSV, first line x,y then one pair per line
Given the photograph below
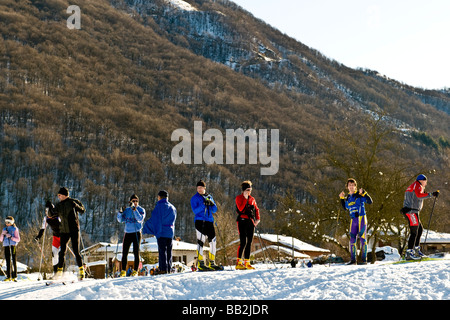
x,y
78,206
16,236
366,196
418,191
139,214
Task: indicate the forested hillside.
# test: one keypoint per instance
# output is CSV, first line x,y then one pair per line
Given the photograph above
x,y
94,110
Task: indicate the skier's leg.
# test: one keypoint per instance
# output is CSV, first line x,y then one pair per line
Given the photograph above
x,y
353,233
362,237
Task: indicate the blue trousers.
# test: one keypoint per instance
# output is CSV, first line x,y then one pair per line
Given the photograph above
x,y
165,254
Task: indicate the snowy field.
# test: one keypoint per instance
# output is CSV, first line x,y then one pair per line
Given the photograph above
x,y
427,280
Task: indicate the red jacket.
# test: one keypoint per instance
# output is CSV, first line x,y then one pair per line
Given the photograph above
x,y
414,196
241,202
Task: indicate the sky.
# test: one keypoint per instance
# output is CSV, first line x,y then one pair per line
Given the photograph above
x,y
406,40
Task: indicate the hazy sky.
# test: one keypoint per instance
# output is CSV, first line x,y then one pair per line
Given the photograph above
x,y
406,40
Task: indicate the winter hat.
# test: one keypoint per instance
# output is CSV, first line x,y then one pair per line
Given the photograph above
x,y
9,219
134,197
421,177
63,191
246,184
163,194
201,183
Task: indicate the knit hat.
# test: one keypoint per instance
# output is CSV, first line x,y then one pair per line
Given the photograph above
x,y
201,183
133,197
63,191
421,177
163,194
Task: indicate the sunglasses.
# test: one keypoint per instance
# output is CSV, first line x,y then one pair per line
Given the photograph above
x,y
135,201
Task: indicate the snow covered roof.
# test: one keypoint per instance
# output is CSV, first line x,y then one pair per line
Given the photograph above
x,y
147,244
287,251
435,237
287,242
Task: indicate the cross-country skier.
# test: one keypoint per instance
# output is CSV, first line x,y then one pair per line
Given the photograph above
x,y
204,207
10,237
354,203
248,218
413,203
55,223
133,216
67,209
162,225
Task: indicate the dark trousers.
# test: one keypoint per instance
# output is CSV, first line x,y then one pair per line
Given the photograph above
x,y
415,228
10,256
246,230
128,239
165,254
74,236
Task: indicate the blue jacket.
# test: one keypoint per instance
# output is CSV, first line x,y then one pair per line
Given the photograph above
x,y
162,222
354,203
202,211
133,219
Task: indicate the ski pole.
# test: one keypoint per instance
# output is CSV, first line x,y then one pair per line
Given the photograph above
x,y
263,248
429,221
43,244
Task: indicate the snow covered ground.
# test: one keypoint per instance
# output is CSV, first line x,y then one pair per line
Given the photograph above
x,y
426,280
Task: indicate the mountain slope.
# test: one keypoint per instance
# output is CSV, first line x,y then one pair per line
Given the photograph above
x,y
94,109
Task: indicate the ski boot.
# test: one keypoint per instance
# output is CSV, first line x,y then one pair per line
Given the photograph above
x,y
411,255
134,273
58,274
81,274
123,273
419,253
248,266
213,265
240,265
203,267
352,262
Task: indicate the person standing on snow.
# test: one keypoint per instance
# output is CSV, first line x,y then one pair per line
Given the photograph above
x,y
55,223
162,225
10,237
204,207
413,203
354,203
67,209
133,217
248,218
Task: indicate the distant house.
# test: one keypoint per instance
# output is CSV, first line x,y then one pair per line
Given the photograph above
x,y
277,248
435,241
112,253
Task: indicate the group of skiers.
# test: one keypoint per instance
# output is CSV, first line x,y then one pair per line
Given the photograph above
x,y
355,201
64,223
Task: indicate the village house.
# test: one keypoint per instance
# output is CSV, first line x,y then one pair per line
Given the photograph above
x,y
276,248
104,257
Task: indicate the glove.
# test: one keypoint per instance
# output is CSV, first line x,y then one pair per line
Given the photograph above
x,y
435,194
209,201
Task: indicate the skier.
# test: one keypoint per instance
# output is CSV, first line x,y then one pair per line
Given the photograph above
x,y
133,216
412,204
204,207
247,219
55,223
354,203
67,209
10,237
162,225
